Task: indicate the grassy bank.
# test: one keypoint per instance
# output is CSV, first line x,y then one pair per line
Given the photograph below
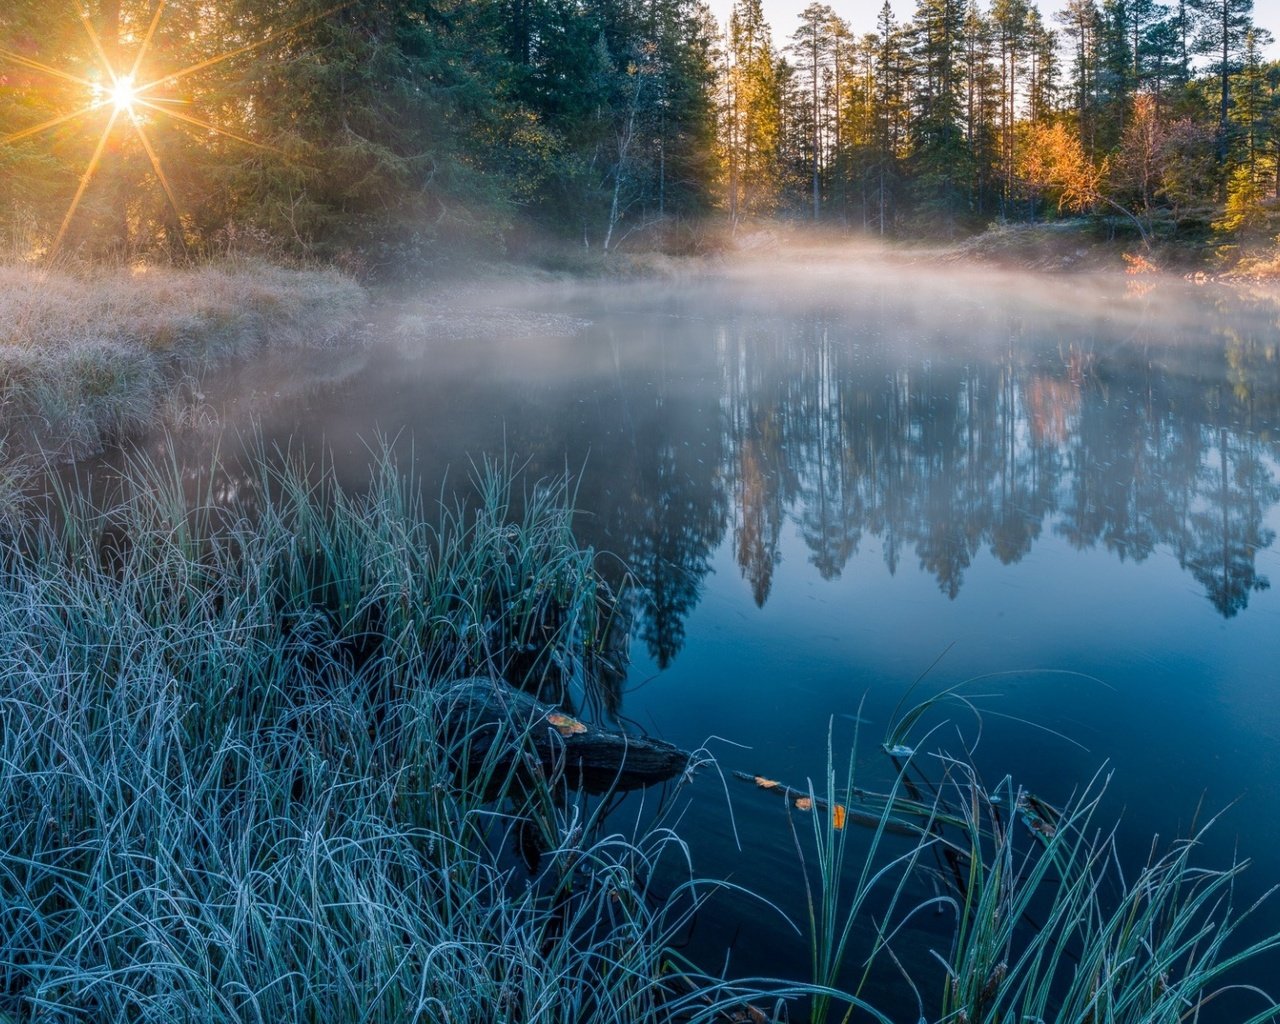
x,y
85,358
1083,245
227,784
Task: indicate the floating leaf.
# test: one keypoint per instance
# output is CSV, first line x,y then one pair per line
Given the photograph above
x,y
565,725
838,814
804,804
764,783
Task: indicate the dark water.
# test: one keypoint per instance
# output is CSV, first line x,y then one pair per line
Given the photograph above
x,y
827,478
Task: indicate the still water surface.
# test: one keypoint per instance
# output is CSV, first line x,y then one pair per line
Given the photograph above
x,y
827,478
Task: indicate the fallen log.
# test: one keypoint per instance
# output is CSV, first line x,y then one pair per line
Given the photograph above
x,y
492,725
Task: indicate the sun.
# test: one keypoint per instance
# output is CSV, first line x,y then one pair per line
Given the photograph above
x,y
131,93
123,94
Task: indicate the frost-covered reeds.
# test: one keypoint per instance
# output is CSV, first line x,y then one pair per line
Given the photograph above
x,y
88,356
226,791
1035,915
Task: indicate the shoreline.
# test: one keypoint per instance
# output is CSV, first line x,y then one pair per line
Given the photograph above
x,y
87,360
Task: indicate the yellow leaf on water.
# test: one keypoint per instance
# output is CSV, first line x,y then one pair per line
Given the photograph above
x,y
565,725
764,783
803,803
838,815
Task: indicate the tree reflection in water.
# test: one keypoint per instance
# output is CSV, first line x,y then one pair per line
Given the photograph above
x,y
1123,446
940,444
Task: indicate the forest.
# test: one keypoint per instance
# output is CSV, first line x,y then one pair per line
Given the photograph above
x,y
393,134
354,489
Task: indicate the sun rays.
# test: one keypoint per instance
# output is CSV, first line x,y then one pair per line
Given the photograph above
x,y
130,96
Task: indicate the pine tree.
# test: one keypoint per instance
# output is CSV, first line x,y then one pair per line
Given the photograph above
x,y
1042,70
814,47
940,161
1165,73
1222,31
1117,71
1013,29
1081,22
1253,112
890,112
984,106
751,123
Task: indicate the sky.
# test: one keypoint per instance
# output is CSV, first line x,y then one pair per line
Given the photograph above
x,y
783,15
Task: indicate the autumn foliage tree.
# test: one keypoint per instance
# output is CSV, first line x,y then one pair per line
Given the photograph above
x,y
1052,159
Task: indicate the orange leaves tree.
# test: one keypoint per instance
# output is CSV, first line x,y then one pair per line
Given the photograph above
x,y
1052,159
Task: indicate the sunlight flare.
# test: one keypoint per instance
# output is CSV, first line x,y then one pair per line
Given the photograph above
x,y
84,180
123,95
128,93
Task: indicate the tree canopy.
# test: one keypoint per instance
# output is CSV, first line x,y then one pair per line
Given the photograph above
x,y
397,133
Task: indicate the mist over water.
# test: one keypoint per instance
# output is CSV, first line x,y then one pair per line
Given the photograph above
x,y
823,477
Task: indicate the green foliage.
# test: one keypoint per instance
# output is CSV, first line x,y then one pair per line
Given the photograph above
x,y
1243,212
389,134
400,134
752,119
1187,161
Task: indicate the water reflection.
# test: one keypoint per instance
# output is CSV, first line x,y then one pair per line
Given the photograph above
x,y
872,433
1113,443
946,460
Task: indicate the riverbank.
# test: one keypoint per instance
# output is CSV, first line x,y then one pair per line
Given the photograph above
x,y
1070,246
88,358
1083,246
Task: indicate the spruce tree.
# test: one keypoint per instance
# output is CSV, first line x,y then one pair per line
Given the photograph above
x,y
1222,31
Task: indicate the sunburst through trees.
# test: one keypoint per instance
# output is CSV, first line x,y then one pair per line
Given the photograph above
x,y
108,88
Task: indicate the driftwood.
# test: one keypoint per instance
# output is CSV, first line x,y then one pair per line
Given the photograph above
x,y
492,725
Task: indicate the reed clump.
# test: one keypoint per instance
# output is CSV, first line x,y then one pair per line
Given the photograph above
x,y
85,358
1035,914
225,793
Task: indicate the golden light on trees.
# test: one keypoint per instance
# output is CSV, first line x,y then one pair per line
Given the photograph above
x,y
134,94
